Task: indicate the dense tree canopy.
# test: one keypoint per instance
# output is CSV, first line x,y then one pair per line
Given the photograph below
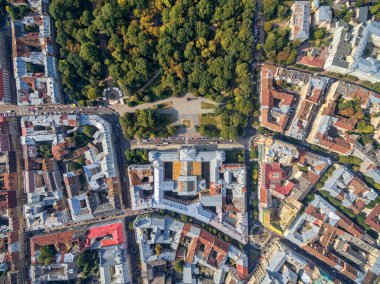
x,y
278,48
209,130
200,46
88,262
16,11
145,123
137,156
275,9
45,151
46,254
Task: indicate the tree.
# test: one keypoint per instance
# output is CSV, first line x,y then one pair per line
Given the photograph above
x,y
80,139
88,261
269,8
270,42
282,11
92,93
137,156
208,131
196,45
45,151
89,52
34,68
17,12
253,153
229,132
76,164
130,226
46,254
359,3
319,33
364,127
145,123
310,197
268,26
89,130
158,249
376,86
184,218
178,265
366,139
204,8
255,174
350,160
292,57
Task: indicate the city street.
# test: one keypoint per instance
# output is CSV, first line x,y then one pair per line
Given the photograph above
x,y
175,142
11,110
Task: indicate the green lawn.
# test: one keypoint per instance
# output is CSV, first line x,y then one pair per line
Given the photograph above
x,y
205,105
166,105
206,119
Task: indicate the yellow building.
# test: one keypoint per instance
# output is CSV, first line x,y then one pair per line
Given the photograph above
x,y
288,211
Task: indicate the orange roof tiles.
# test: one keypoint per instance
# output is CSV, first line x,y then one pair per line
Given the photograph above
x,y
209,247
312,177
338,144
62,241
373,218
310,209
349,226
312,61
263,197
347,124
268,96
328,236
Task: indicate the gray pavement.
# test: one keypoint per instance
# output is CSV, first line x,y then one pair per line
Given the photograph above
x,y
188,104
12,110
176,142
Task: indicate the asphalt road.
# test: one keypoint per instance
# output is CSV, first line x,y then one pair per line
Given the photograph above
x,y
123,214
12,110
183,141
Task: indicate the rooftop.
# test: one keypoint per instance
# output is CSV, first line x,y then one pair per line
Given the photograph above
x,y
275,105
194,183
300,20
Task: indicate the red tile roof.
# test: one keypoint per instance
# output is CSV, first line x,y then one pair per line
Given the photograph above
x,y
63,241
373,218
274,179
214,249
349,226
347,124
268,96
263,197
312,61
112,234
286,189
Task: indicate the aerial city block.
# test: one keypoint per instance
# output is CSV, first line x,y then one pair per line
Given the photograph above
x,y
190,141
